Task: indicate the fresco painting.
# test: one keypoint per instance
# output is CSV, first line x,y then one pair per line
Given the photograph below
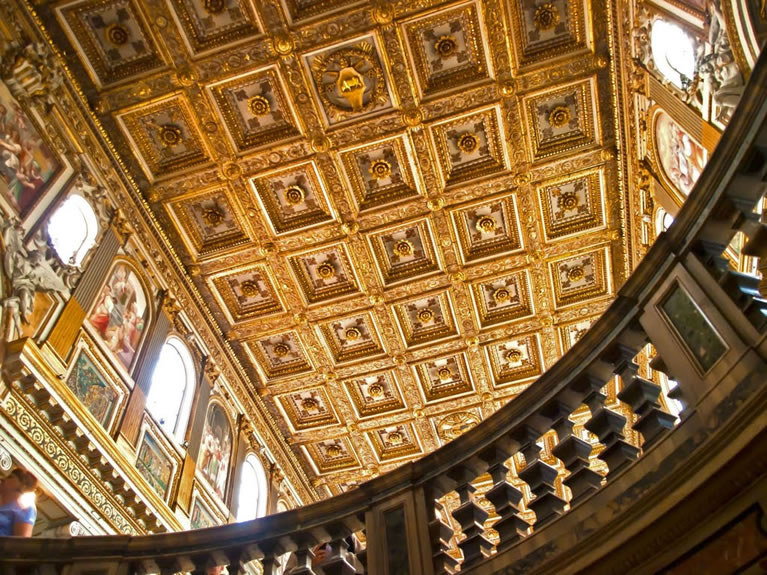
x,y
216,448
201,517
93,390
154,465
680,156
27,164
120,313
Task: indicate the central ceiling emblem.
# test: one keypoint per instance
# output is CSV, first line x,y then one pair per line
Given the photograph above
x,y
350,79
501,295
249,288
403,248
425,316
456,424
213,216
310,405
395,438
575,273
294,195
444,374
468,143
333,451
569,200
486,224
259,106
445,46
546,16
281,349
352,334
380,169
376,390
326,270
116,34
560,116
170,135
514,355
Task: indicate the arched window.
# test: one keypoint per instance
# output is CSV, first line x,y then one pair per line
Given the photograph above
x,y
72,229
663,221
251,493
673,51
170,395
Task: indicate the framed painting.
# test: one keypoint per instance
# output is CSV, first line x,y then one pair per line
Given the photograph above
x,y
120,313
216,448
96,391
154,460
201,515
29,168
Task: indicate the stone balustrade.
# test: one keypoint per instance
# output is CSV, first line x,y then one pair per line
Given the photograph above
x,y
707,326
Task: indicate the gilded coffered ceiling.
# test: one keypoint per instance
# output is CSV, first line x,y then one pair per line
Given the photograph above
x,y
399,214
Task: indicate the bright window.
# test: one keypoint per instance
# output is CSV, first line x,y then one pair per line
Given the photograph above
x,y
673,52
72,229
251,494
172,387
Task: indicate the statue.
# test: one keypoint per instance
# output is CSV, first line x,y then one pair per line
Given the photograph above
x,y
718,68
29,271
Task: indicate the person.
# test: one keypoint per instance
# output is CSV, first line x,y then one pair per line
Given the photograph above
x,y
17,516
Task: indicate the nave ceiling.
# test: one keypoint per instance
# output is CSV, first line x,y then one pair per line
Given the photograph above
x,y
398,214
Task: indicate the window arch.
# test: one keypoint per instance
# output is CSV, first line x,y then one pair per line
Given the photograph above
x,y
172,389
216,448
72,229
673,52
252,490
663,221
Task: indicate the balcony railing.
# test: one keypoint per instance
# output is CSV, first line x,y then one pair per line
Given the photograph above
x,y
707,326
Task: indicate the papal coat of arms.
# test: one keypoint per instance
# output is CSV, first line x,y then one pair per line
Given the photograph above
x,y
350,81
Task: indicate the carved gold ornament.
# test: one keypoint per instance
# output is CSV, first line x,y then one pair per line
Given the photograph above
x,y
326,270
311,405
376,390
513,355
249,288
116,34
333,451
283,44
403,248
425,316
445,46
350,79
294,195
352,334
380,169
569,200
468,143
501,295
281,349
485,224
546,16
259,106
560,116
170,135
456,424
444,374
575,273
213,216
395,438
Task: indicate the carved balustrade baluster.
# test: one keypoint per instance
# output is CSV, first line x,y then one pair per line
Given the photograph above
x,y
470,515
574,453
304,553
642,396
440,533
336,561
504,497
271,561
675,393
540,477
606,425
